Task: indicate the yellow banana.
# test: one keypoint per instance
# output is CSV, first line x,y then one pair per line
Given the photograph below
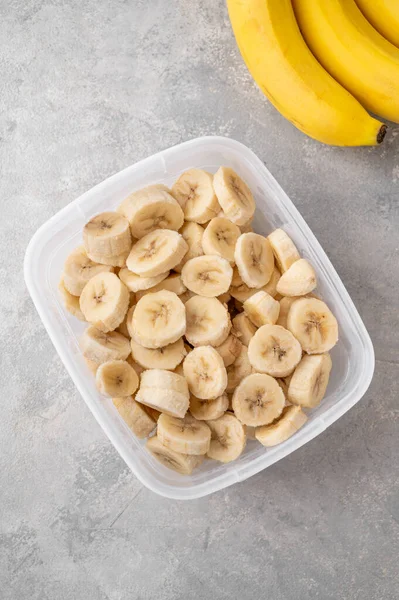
x,y
384,16
353,52
270,42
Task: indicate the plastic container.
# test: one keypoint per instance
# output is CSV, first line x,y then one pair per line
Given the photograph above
x,y
353,356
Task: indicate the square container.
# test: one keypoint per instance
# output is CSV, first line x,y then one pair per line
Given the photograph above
x,y
353,356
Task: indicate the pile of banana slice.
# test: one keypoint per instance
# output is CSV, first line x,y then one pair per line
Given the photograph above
x,y
202,332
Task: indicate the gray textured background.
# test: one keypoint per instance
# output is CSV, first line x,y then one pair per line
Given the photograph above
x,y
87,88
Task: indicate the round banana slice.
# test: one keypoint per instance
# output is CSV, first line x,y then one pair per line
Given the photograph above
x,y
151,208
165,391
234,196
114,260
135,417
192,234
228,438
79,269
244,328
116,378
208,321
207,410
258,400
208,275
254,258
135,283
274,350
71,303
292,419
173,283
284,249
241,292
298,280
104,301
313,324
156,253
309,381
182,463
101,347
187,435
167,357
205,373
220,237
262,309
195,194
107,234
285,305
158,320
240,368
230,349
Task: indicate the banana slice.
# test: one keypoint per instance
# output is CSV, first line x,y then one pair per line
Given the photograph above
x,y
91,365
104,301
241,292
116,378
313,324
271,286
79,269
158,320
165,391
262,309
192,234
123,328
234,196
101,347
258,400
254,258
138,368
247,227
238,370
167,357
274,350
187,435
228,438
151,208
195,194
156,253
284,387
285,304
107,234
220,237
292,419
208,321
207,410
310,380
298,280
186,296
129,320
135,283
114,260
230,349
135,417
244,328
173,283
71,303
205,373
208,275
285,251
182,463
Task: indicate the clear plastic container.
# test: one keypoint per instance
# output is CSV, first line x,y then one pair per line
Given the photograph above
x,y
353,356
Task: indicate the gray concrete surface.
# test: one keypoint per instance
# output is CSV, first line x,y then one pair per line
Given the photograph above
x,y
88,88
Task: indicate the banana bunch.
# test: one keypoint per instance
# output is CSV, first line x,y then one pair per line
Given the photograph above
x,y
324,63
203,333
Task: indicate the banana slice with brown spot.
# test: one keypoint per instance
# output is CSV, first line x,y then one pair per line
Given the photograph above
x,y
167,357
107,234
220,237
156,252
101,347
205,373
228,438
291,419
116,378
192,234
208,321
104,301
244,328
258,400
234,196
254,259
274,350
230,349
309,381
79,269
182,463
262,309
70,302
195,194
300,279
173,283
313,324
285,251
135,283
208,275
240,368
186,435
158,320
208,410
135,417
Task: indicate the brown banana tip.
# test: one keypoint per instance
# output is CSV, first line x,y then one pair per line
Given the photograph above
x,y
381,134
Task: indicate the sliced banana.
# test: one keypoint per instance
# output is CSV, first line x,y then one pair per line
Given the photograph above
x,y
208,321
208,275
310,380
182,463
205,373
158,319
135,283
91,365
240,368
116,378
135,417
138,368
274,350
271,286
230,349
258,400
114,260
107,234
195,194
313,324
156,253
220,237
123,327
187,435
234,196
165,391
173,283
262,309
244,328
129,320
285,251
104,301
228,438
254,258
241,292
285,304
186,296
79,269
167,357
298,280
192,234
70,302
151,208
101,347
207,410
291,419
